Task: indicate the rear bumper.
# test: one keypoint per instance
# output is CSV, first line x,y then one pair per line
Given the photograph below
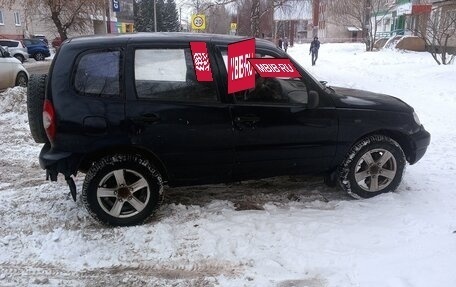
x,y
55,162
419,143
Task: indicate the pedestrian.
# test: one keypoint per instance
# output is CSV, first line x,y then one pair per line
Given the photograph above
x,y
285,44
314,47
280,43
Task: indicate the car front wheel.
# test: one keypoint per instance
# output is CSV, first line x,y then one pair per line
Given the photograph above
x,y
19,57
21,79
374,165
122,190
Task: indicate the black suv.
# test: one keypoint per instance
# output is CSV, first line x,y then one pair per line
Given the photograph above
x,y
128,111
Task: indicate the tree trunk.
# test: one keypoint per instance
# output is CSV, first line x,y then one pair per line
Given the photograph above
x,y
58,24
255,18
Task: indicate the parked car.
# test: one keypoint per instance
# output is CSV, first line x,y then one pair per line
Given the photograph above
x,y
12,73
15,48
37,49
40,37
129,112
57,42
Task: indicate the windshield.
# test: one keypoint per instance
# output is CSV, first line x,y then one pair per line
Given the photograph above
x,y
309,75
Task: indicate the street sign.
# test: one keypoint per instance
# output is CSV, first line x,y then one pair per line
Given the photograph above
x,y
116,5
233,26
198,22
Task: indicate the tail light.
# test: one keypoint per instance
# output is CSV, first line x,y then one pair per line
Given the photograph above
x,y
49,119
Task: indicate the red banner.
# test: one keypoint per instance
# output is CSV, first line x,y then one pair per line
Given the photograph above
x,y
201,61
274,67
421,8
240,73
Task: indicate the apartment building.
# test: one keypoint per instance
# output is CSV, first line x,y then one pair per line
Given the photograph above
x,y
12,22
19,23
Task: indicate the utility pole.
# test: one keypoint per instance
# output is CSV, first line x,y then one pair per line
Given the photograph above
x,y
155,15
315,17
108,17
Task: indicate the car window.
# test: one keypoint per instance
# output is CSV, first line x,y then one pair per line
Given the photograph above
x,y
169,74
97,74
10,44
283,90
29,42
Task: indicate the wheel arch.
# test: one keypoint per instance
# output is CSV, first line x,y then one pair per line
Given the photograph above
x,y
22,72
16,55
399,137
90,158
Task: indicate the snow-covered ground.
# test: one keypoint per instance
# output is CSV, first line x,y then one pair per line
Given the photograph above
x,y
279,232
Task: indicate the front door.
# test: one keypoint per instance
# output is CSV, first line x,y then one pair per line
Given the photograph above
x,y
276,133
181,120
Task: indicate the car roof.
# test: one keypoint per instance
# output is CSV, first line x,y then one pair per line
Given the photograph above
x,y
11,40
178,37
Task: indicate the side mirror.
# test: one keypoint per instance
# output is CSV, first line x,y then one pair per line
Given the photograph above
x,y
313,100
6,54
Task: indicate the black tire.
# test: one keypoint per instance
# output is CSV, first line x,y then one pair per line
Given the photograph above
x,y
35,101
19,57
39,56
21,79
134,169
378,162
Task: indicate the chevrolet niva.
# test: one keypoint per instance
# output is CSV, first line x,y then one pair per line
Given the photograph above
x,y
128,111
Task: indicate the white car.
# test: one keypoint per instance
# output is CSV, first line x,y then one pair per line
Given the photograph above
x,y
16,49
12,73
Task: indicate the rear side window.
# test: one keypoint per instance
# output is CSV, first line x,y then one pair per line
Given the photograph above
x,y
10,44
97,74
169,74
29,42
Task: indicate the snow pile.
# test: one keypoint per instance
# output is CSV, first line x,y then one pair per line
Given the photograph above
x,y
14,100
282,232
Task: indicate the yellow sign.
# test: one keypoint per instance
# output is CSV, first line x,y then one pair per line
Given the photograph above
x,y
233,26
198,22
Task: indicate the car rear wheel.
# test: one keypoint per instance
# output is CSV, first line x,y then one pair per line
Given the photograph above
x,y
39,57
19,57
21,79
375,165
35,102
122,190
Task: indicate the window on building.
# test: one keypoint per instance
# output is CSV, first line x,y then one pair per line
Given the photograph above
x,y
17,19
1,18
387,24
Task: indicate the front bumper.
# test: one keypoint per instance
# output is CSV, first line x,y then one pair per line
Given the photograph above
x,y
418,143
55,162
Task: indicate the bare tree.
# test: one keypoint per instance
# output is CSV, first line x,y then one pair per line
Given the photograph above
x,y
252,11
440,29
362,14
218,20
66,15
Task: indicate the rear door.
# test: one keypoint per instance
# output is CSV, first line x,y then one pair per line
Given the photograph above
x,y
181,120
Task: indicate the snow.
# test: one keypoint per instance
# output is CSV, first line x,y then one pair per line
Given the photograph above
x,y
289,231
